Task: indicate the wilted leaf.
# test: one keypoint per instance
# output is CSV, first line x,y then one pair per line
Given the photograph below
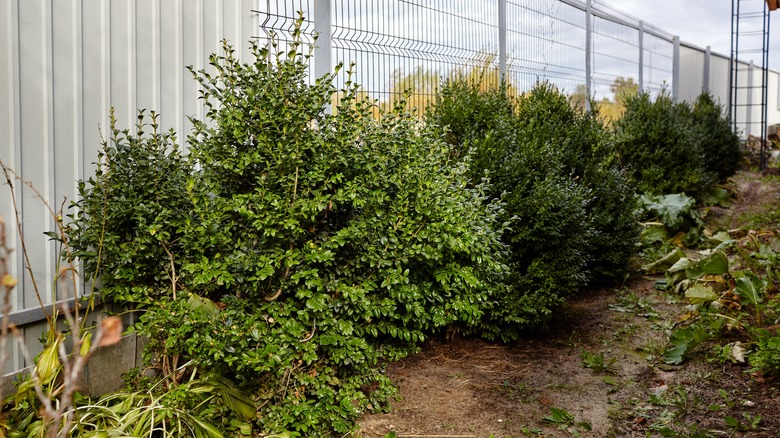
x,y
682,285
736,352
719,238
111,331
679,239
680,265
654,233
672,210
9,281
750,287
676,273
700,294
684,340
665,263
714,264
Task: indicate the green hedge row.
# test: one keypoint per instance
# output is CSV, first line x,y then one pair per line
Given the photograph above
x,y
571,212
296,250
292,250
670,147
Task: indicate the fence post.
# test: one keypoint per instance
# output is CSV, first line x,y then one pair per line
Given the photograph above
x,y
502,39
323,62
705,84
641,56
676,69
588,52
749,103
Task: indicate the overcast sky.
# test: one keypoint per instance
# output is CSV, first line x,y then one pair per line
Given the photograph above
x,y
703,23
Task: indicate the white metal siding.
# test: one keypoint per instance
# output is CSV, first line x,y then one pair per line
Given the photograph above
x,y
719,78
63,64
691,73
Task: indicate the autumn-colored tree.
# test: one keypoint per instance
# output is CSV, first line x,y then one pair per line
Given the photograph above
x,y
623,88
421,86
579,98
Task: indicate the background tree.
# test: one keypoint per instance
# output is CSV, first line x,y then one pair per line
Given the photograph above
x,y
623,88
579,98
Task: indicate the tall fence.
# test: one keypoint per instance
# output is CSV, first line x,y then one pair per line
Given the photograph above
x,y
65,63
580,46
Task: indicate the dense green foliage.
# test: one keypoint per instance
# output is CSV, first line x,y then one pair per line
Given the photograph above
x,y
660,146
302,249
572,214
585,150
719,143
671,147
129,213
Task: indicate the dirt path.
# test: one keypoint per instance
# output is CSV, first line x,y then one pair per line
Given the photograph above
x,y
598,372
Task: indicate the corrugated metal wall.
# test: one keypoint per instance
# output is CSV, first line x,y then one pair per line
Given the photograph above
x,y
63,64
692,81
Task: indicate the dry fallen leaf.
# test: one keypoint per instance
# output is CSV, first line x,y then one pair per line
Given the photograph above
x,y
111,329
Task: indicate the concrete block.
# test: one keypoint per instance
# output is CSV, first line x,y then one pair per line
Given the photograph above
x,y
103,373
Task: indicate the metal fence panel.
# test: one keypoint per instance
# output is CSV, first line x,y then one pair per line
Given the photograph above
x,y
692,61
546,41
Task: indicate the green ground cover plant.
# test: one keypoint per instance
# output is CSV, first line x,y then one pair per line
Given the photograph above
x,y
732,290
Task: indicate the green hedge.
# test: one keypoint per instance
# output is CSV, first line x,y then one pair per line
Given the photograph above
x,y
571,212
720,144
670,147
293,250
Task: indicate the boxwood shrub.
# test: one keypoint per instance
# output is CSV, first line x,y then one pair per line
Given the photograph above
x,y
719,142
660,145
294,249
571,212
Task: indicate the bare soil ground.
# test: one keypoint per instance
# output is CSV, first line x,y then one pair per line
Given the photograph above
x,y
472,388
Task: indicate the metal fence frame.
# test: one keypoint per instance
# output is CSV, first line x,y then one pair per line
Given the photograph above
x,y
570,43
